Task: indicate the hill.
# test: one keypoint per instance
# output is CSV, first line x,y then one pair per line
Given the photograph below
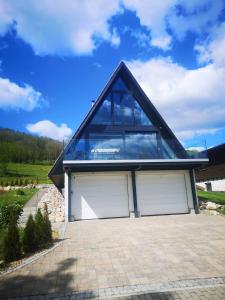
x,y
24,157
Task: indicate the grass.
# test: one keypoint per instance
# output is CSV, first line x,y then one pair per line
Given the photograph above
x,y
12,196
217,197
17,171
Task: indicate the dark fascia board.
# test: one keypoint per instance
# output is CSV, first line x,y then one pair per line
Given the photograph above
x,y
168,164
121,69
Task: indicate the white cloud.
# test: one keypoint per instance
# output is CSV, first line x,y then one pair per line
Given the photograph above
x,y
152,14
191,101
13,96
49,129
213,50
168,18
60,27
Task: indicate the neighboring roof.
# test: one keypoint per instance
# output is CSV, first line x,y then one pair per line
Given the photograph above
x,y
216,166
122,71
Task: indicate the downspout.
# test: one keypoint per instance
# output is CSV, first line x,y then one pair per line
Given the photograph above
x,y
193,189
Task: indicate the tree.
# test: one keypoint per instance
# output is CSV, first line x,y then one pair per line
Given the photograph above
x,y
11,244
47,226
29,238
39,229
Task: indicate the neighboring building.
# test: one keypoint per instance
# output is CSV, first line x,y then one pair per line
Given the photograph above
x,y
124,160
212,177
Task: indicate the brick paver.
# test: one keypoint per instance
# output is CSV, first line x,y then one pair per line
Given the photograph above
x,y
104,254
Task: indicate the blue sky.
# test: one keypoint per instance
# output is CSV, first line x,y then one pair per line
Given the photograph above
x,y
56,56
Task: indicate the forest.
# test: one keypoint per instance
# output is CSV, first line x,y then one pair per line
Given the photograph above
x,y
19,147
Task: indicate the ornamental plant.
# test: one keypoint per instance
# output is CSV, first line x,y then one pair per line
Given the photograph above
x,y
11,244
29,237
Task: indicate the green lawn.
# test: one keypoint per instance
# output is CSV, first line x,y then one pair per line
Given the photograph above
x,y
12,196
217,197
16,171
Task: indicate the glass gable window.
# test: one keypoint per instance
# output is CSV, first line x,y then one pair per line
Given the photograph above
x,y
141,146
140,117
120,108
119,139
103,116
105,146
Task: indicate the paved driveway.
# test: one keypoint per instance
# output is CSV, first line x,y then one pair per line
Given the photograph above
x,y
100,254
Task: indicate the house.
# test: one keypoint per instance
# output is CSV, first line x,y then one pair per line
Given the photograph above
x,y
124,160
212,176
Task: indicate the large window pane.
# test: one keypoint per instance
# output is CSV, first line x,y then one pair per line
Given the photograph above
x,y
141,146
103,115
105,146
76,150
117,108
140,117
119,85
167,151
128,104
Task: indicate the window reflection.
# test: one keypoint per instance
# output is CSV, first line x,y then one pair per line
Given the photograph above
x,y
128,104
141,146
140,117
105,146
103,116
117,108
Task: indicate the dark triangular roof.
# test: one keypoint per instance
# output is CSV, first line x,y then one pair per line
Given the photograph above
x,y
150,110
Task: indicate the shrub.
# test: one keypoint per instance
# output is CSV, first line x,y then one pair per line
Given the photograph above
x,y
20,182
47,227
16,182
20,192
1,183
26,181
6,183
6,210
12,182
39,229
29,238
11,244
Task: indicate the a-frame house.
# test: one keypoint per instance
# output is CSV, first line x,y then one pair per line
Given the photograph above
x,y
124,160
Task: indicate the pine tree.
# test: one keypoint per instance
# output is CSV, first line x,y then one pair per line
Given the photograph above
x,y
47,226
39,229
29,238
11,244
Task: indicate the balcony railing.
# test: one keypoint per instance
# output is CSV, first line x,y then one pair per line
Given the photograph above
x,y
128,149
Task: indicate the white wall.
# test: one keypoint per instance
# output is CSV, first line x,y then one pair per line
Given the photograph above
x,y
217,185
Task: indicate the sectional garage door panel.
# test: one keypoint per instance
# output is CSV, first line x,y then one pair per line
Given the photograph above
x,y
100,196
161,193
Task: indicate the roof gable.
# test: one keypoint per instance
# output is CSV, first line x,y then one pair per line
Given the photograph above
x,y
123,80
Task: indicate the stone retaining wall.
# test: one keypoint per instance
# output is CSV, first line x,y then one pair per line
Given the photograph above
x,y
55,203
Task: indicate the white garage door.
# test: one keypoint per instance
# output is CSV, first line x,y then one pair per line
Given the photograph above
x,y
99,196
161,193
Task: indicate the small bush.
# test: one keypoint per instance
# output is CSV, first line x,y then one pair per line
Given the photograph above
x,y
29,238
47,227
26,181
21,182
12,182
39,229
16,182
1,183
6,183
20,192
5,213
11,244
